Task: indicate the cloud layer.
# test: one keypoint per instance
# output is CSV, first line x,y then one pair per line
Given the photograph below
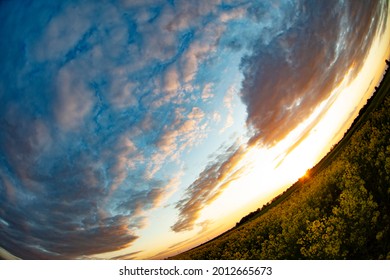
x,y
293,65
287,76
99,104
96,100
208,186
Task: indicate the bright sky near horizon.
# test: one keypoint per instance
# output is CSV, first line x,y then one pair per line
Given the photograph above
x,y
139,129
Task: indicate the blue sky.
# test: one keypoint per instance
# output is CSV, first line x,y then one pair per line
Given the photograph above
x,y
122,121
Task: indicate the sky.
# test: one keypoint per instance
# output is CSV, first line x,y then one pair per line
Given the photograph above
x,y
138,129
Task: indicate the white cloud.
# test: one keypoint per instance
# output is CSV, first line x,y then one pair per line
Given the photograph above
x,y
228,102
200,50
62,33
122,94
231,15
171,80
207,91
216,117
73,100
185,132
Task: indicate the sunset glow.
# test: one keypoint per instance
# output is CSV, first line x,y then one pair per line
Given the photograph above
x,y
137,131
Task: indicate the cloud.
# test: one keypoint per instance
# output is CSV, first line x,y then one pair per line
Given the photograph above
x,y
298,55
100,102
202,49
44,227
184,132
216,117
189,14
60,34
207,187
123,94
129,256
172,82
228,102
207,91
232,14
74,100
5,255
288,75
94,101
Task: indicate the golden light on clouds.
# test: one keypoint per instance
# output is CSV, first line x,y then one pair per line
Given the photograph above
x,y
136,129
269,171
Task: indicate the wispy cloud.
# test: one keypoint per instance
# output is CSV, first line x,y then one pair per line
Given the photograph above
x,y
228,102
129,256
207,91
207,187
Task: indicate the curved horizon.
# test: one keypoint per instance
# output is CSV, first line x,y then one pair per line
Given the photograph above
x,y
134,130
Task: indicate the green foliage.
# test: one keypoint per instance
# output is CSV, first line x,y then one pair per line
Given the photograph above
x,y
341,212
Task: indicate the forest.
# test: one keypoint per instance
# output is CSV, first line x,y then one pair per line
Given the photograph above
x,y
342,211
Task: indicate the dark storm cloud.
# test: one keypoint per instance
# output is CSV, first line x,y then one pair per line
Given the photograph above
x,y
287,76
207,187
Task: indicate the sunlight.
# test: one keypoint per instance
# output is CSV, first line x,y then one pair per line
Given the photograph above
x,y
255,168
264,173
268,172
